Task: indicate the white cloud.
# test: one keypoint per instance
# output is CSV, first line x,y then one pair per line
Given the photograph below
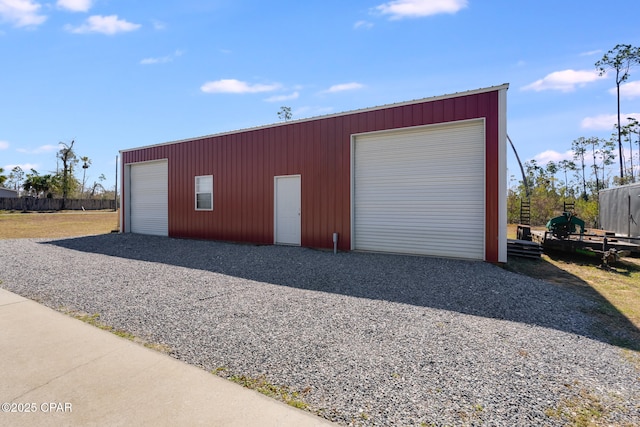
x,y
26,167
601,122
4,145
280,98
309,111
236,86
21,13
75,5
344,86
399,9
103,24
591,52
606,121
159,25
552,156
162,59
39,150
564,81
628,90
363,24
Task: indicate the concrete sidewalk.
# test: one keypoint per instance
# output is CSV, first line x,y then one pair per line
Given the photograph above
x,y
65,372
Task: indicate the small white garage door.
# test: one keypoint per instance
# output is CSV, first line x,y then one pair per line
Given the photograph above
x,y
421,191
148,198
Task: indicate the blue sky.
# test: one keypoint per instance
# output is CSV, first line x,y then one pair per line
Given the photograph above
x,y
115,74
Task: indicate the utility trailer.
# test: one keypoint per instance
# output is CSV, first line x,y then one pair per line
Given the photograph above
x,y
561,235
594,244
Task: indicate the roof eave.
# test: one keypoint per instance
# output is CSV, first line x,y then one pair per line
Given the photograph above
x,y
503,86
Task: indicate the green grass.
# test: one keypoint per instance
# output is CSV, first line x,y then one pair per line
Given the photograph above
x,y
94,320
584,410
262,385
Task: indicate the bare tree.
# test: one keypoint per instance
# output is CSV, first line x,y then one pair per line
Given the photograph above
x,y
632,127
97,185
86,162
69,160
595,146
16,176
579,150
621,59
566,165
606,154
552,169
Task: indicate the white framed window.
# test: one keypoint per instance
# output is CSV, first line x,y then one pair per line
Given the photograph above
x,y
204,193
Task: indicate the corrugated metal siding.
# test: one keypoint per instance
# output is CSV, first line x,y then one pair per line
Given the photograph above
x,y
6,192
149,205
421,191
620,210
244,164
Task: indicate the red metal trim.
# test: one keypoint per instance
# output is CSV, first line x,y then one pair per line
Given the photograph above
x,y
492,191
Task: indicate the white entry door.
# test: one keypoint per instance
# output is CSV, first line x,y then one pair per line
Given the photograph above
x,y
287,210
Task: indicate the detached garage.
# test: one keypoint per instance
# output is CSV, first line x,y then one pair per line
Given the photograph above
x,y
424,177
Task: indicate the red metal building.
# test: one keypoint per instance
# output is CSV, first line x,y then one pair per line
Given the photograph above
x,y
422,177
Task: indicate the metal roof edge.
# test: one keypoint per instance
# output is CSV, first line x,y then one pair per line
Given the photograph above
x,y
496,88
633,185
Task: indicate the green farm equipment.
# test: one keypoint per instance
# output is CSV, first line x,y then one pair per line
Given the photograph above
x,y
561,227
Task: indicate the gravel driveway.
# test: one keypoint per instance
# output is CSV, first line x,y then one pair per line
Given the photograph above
x,y
368,339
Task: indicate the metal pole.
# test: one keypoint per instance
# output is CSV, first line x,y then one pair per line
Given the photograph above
x,y
115,196
629,215
524,177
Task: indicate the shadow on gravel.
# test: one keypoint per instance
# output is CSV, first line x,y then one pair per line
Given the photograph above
x,y
610,325
466,287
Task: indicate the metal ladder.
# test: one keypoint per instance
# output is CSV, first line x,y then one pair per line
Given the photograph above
x,y
525,212
569,207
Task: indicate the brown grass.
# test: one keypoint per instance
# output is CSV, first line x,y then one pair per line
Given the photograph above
x,y
56,224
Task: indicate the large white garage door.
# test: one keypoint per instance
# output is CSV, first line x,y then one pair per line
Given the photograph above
x,y
149,200
421,191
